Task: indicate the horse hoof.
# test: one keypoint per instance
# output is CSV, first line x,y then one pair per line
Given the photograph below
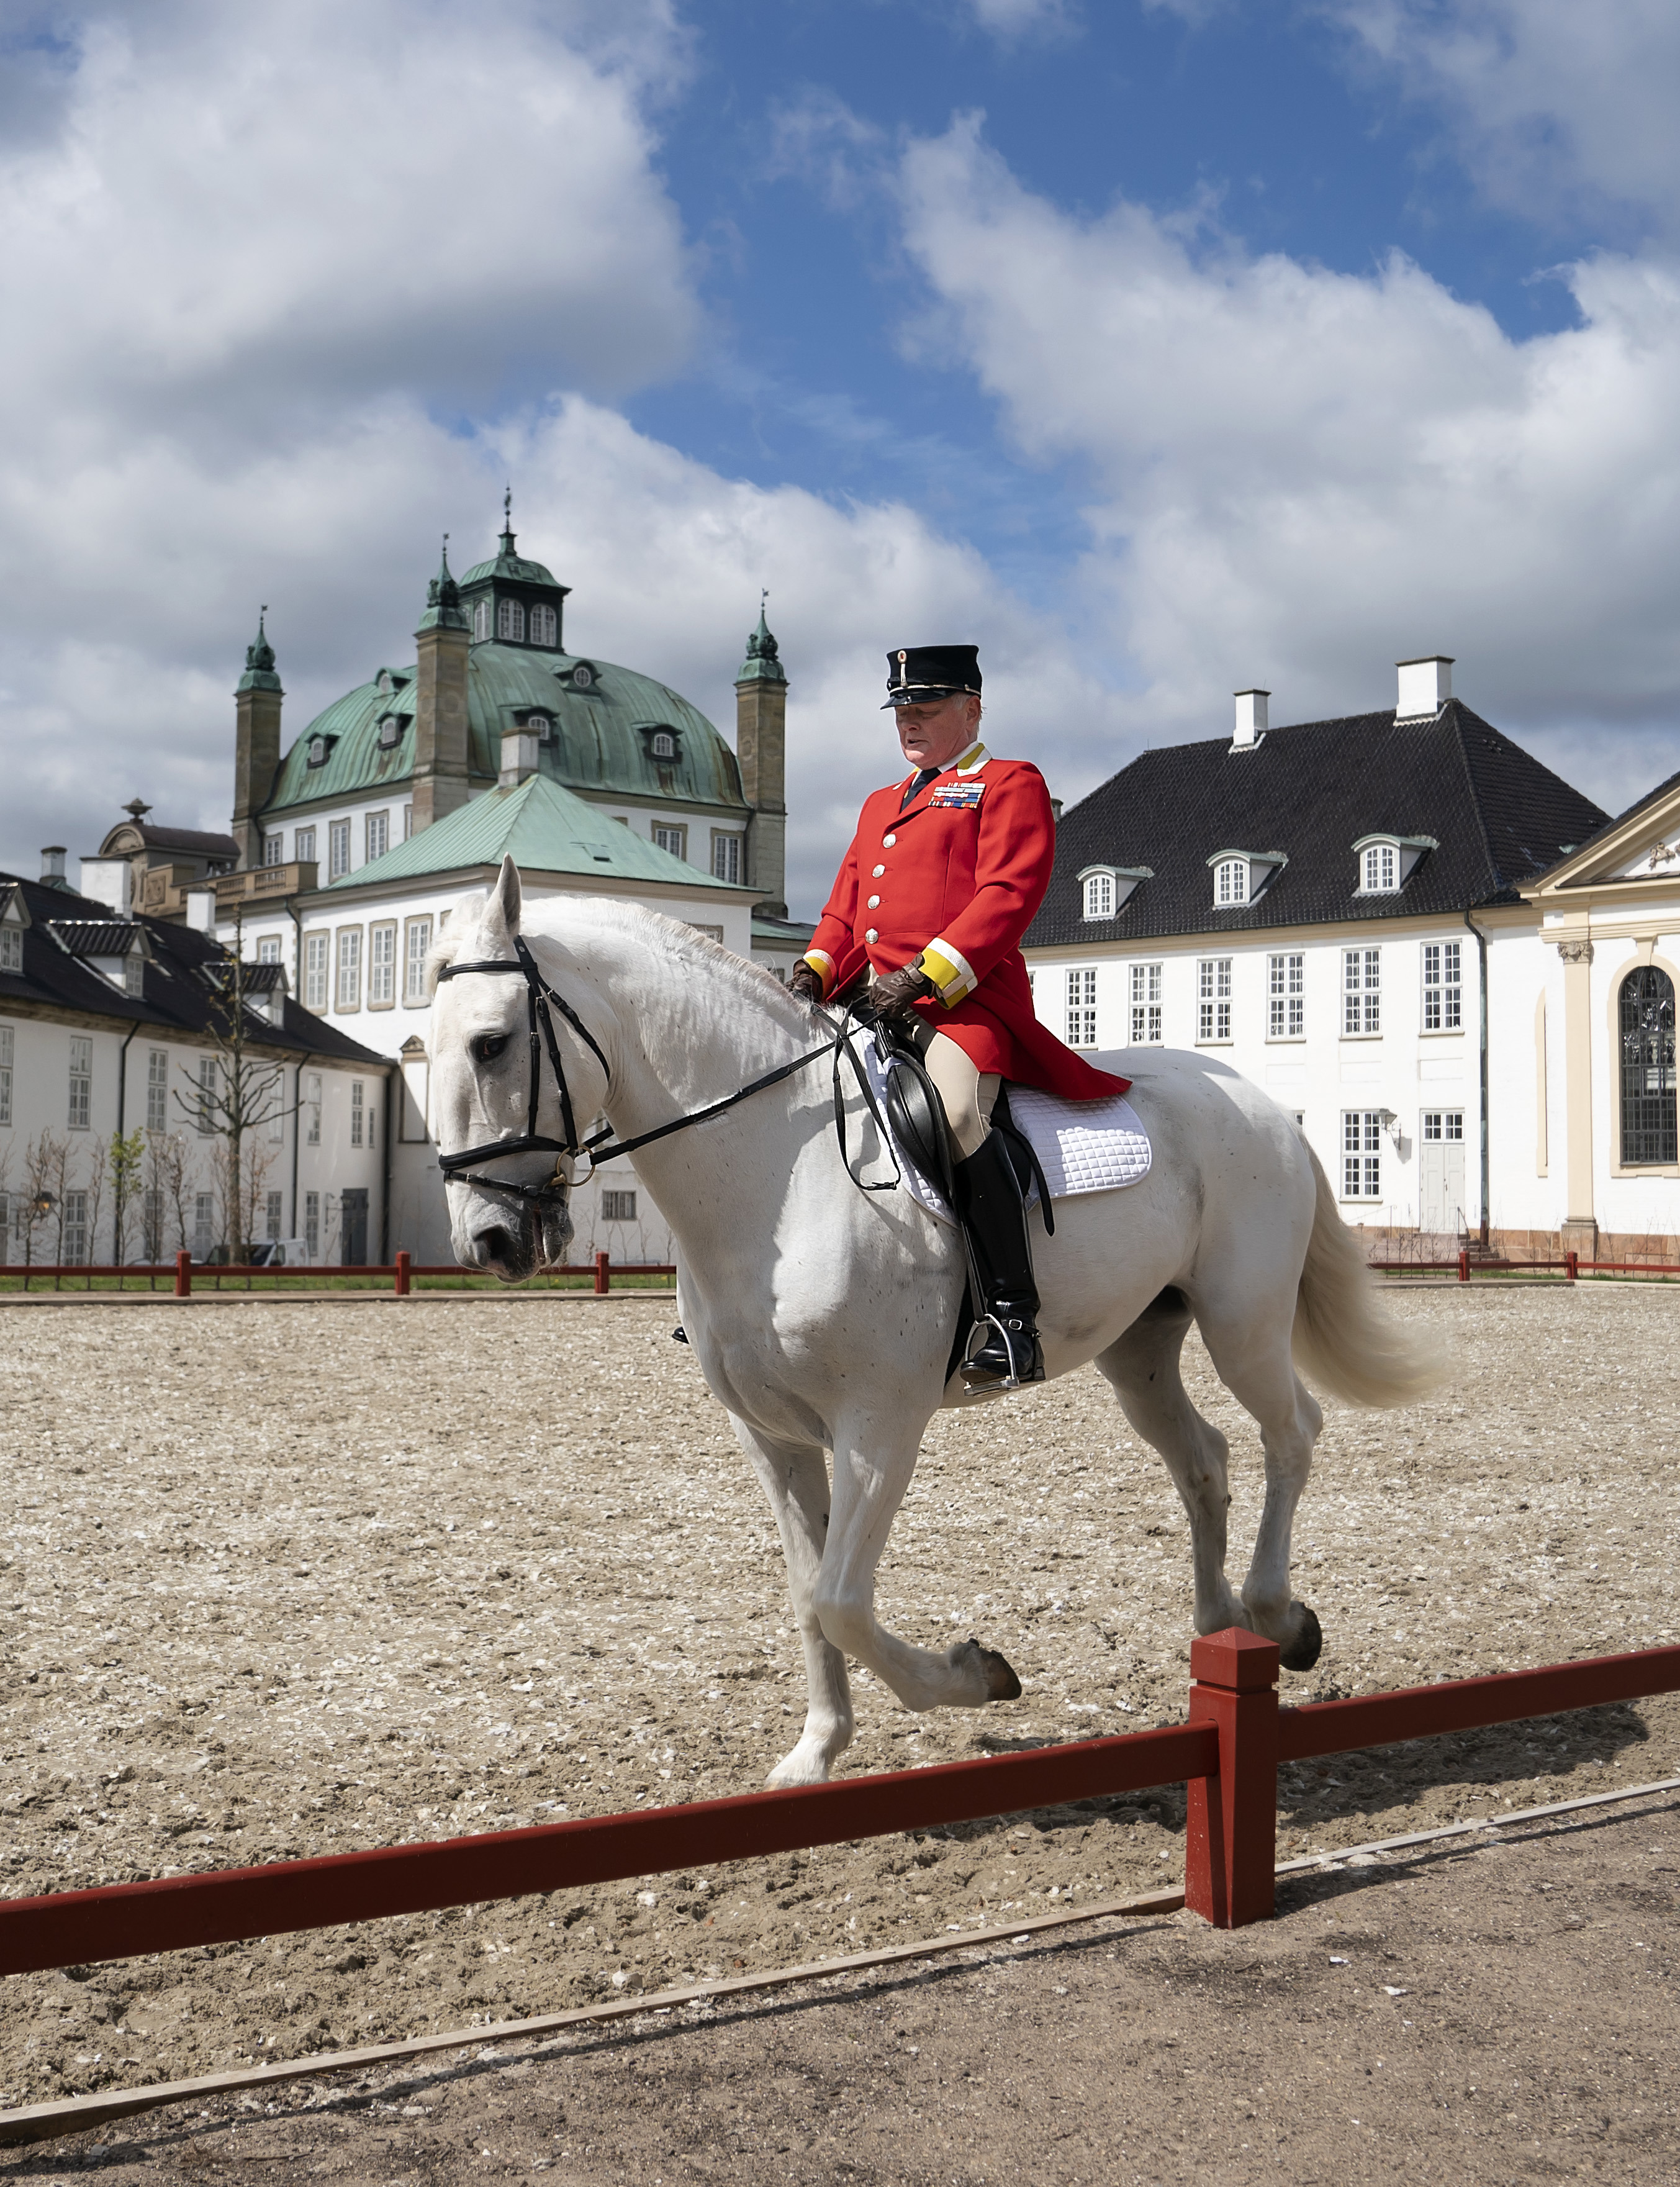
x,y
1308,1645
1001,1682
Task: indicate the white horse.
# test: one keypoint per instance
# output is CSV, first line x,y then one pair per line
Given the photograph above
x,y
822,1317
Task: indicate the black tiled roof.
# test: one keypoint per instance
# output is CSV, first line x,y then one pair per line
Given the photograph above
x,y
1649,797
1498,816
178,997
96,937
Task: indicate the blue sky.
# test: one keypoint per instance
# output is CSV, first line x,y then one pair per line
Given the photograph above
x,y
1160,348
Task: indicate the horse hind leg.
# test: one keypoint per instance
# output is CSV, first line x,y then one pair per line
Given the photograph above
x,y
1142,1367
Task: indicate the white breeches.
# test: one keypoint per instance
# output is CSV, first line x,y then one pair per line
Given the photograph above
x,y
967,1091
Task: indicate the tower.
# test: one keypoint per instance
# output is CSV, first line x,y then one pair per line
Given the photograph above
x,y
257,698
440,701
762,749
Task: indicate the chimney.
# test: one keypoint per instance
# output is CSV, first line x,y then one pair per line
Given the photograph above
x,y
762,749
1425,688
441,702
1251,723
519,756
256,744
53,865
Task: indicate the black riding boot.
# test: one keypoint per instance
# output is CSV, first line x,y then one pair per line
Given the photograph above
x,y
990,1209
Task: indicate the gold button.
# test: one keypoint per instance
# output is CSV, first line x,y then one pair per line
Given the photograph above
x,y
880,870
871,936
873,904
887,841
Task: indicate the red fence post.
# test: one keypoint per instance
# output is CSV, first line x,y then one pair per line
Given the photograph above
x,y
402,1271
1464,1266
1231,1826
1571,1268
183,1275
603,1275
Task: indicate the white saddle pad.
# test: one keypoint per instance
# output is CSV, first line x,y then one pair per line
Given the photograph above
x,y
1082,1146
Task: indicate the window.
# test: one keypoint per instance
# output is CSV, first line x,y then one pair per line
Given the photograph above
x,y
1647,1107
1380,869
726,856
1443,1124
157,1089
81,1081
337,849
350,968
664,744
583,677
511,621
205,1118
1213,999
318,749
272,1216
1286,996
303,846
377,825
6,1041
1145,1004
545,627
481,619
540,726
204,1225
134,973
391,732
273,850
618,1207
268,949
1099,895
1443,986
382,966
414,961
75,1246
311,1108
1082,1007
11,949
1231,881
1362,1136
358,1111
1361,991
273,1108
408,822
312,1224
674,839
315,971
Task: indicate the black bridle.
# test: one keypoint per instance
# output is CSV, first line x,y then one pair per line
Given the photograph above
x,y
601,1146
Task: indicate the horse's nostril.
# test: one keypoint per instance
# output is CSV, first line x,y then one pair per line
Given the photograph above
x,y
495,1244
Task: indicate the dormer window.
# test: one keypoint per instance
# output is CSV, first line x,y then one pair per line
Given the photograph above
x,y
545,627
511,621
1239,877
481,620
662,744
583,677
391,732
1105,890
1385,862
539,726
320,751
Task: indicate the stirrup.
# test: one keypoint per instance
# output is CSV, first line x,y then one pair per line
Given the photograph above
x,y
1021,1349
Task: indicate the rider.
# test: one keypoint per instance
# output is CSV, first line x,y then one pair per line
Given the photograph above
x,y
944,876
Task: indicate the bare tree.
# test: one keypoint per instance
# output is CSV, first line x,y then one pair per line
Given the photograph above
x,y
126,1158
166,1167
97,1170
237,1097
43,1161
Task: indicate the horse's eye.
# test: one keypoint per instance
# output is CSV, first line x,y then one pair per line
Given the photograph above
x,y
488,1046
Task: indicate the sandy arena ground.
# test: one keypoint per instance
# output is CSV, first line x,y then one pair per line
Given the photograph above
x,y
285,1578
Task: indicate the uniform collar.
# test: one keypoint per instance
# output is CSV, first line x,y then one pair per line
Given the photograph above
x,y
970,762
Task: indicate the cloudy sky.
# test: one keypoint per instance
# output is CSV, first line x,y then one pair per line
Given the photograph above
x,y
1162,346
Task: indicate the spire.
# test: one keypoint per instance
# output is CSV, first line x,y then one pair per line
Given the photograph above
x,y
443,599
259,674
763,663
507,539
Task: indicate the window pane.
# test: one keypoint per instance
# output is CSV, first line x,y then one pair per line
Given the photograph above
x,y
414,975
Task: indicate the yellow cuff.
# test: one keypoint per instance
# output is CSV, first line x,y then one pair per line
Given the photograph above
x,y
952,981
823,965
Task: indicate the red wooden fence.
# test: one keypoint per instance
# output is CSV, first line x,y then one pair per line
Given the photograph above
x,y
399,1273
1228,1753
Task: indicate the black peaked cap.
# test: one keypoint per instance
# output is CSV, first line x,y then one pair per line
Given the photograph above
x,y
919,672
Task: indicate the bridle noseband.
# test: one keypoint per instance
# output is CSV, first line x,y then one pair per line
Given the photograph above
x,y
601,1146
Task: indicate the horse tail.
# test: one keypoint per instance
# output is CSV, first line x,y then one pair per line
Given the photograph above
x,y
1344,1340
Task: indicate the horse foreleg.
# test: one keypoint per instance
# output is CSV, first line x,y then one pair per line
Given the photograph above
x,y
795,1480
873,1466
1142,1368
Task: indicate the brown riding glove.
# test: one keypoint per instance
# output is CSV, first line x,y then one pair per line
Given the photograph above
x,y
805,982
893,996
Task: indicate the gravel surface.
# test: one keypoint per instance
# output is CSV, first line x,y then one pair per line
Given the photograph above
x,y
282,1578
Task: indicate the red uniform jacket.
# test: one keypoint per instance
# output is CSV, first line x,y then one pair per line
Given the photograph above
x,y
957,878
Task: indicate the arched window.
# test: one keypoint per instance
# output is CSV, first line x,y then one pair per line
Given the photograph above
x,y
664,744
1382,870
540,726
1648,1132
1099,895
481,619
544,626
1231,881
511,621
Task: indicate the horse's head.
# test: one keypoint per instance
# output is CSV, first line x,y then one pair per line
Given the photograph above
x,y
508,1213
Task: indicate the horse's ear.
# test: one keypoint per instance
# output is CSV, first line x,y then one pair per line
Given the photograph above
x,y
502,909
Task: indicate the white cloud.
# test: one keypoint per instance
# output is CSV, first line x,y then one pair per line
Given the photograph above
x,y
1017,18
1301,475
1546,100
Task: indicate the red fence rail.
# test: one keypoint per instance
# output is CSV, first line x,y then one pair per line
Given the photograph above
x,y
399,1273
1227,1753
1570,1268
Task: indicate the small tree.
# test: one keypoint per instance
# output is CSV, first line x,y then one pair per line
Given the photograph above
x,y
43,1161
167,1166
238,1097
126,1162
